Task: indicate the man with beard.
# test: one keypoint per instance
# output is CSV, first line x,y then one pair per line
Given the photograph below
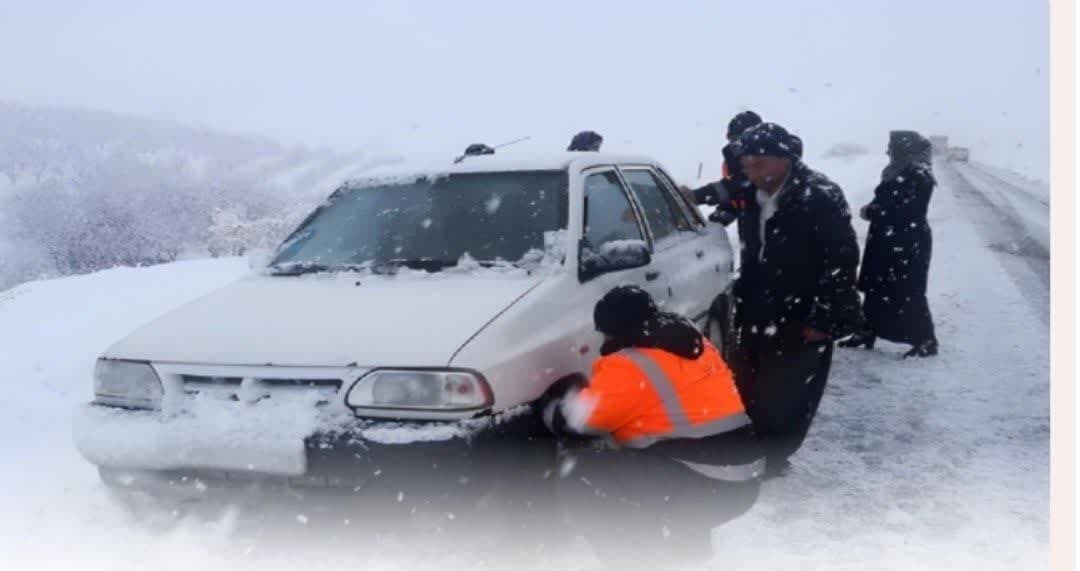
x,y
795,293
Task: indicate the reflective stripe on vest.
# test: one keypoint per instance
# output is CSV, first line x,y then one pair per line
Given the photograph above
x,y
680,424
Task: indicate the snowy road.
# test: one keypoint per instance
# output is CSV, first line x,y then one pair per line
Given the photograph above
x,y
936,463
1015,223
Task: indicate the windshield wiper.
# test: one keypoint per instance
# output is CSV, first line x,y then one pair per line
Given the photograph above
x,y
498,264
380,266
426,264
300,268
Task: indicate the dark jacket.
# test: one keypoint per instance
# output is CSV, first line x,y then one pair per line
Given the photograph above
x,y
725,193
896,262
668,331
898,228
806,273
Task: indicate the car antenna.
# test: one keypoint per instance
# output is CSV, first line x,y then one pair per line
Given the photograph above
x,y
482,149
514,142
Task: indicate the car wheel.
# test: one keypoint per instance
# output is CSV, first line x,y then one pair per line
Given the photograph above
x,y
719,325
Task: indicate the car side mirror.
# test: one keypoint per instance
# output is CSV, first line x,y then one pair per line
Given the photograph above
x,y
612,256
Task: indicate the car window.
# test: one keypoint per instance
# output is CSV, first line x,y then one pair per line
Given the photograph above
x,y
661,211
609,215
689,208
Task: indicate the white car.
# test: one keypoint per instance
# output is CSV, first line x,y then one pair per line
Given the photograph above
x,y
407,318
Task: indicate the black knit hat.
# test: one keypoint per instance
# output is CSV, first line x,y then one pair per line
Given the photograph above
x,y
586,141
770,140
796,145
623,310
741,122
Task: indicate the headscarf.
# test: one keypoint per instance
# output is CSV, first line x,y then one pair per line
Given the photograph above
x,y
907,148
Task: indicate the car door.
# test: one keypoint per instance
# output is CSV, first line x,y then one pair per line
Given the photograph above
x,y
676,250
711,270
611,215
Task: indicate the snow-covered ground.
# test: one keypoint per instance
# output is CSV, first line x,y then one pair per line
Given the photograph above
x,y
935,463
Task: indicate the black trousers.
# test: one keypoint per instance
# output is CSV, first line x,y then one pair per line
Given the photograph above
x,y
781,380
642,510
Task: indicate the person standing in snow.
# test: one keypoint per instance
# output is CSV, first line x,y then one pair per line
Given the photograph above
x,y
673,453
795,292
730,192
896,263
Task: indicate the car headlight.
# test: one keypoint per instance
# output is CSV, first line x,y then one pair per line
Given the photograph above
x,y
126,383
421,390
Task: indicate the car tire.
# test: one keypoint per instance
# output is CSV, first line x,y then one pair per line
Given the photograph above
x,y
719,325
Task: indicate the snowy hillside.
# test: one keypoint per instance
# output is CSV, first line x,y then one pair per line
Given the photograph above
x,y
82,191
935,463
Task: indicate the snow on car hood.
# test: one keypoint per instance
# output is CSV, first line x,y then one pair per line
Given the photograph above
x,y
329,320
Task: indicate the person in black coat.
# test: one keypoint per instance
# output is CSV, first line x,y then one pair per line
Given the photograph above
x,y
795,292
728,192
896,262
733,191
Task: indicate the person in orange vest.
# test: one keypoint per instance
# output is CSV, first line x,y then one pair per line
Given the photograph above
x,y
672,453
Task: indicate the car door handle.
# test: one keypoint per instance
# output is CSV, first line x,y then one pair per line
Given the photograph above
x,y
651,276
700,254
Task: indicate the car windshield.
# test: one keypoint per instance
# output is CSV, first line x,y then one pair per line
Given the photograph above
x,y
431,223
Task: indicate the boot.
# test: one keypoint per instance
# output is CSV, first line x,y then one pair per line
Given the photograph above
x,y
776,468
924,349
859,340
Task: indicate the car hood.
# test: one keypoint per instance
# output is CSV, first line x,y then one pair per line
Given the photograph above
x,y
328,320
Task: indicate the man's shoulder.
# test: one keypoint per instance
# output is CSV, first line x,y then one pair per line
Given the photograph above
x,y
808,178
817,191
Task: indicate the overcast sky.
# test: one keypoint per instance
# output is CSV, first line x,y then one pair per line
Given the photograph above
x,y
656,77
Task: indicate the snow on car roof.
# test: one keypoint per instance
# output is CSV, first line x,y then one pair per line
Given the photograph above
x,y
508,161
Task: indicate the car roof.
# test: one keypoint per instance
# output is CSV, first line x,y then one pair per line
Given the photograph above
x,y
506,162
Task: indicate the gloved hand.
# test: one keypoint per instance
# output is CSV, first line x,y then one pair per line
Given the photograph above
x,y
722,216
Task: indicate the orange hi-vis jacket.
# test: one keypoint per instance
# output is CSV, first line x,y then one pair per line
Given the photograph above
x,y
643,395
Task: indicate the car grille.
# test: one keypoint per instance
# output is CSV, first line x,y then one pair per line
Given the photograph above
x,y
234,388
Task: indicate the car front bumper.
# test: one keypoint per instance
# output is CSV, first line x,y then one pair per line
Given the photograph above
x,y
147,449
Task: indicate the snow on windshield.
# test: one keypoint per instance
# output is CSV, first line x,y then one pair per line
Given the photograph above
x,y
433,223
